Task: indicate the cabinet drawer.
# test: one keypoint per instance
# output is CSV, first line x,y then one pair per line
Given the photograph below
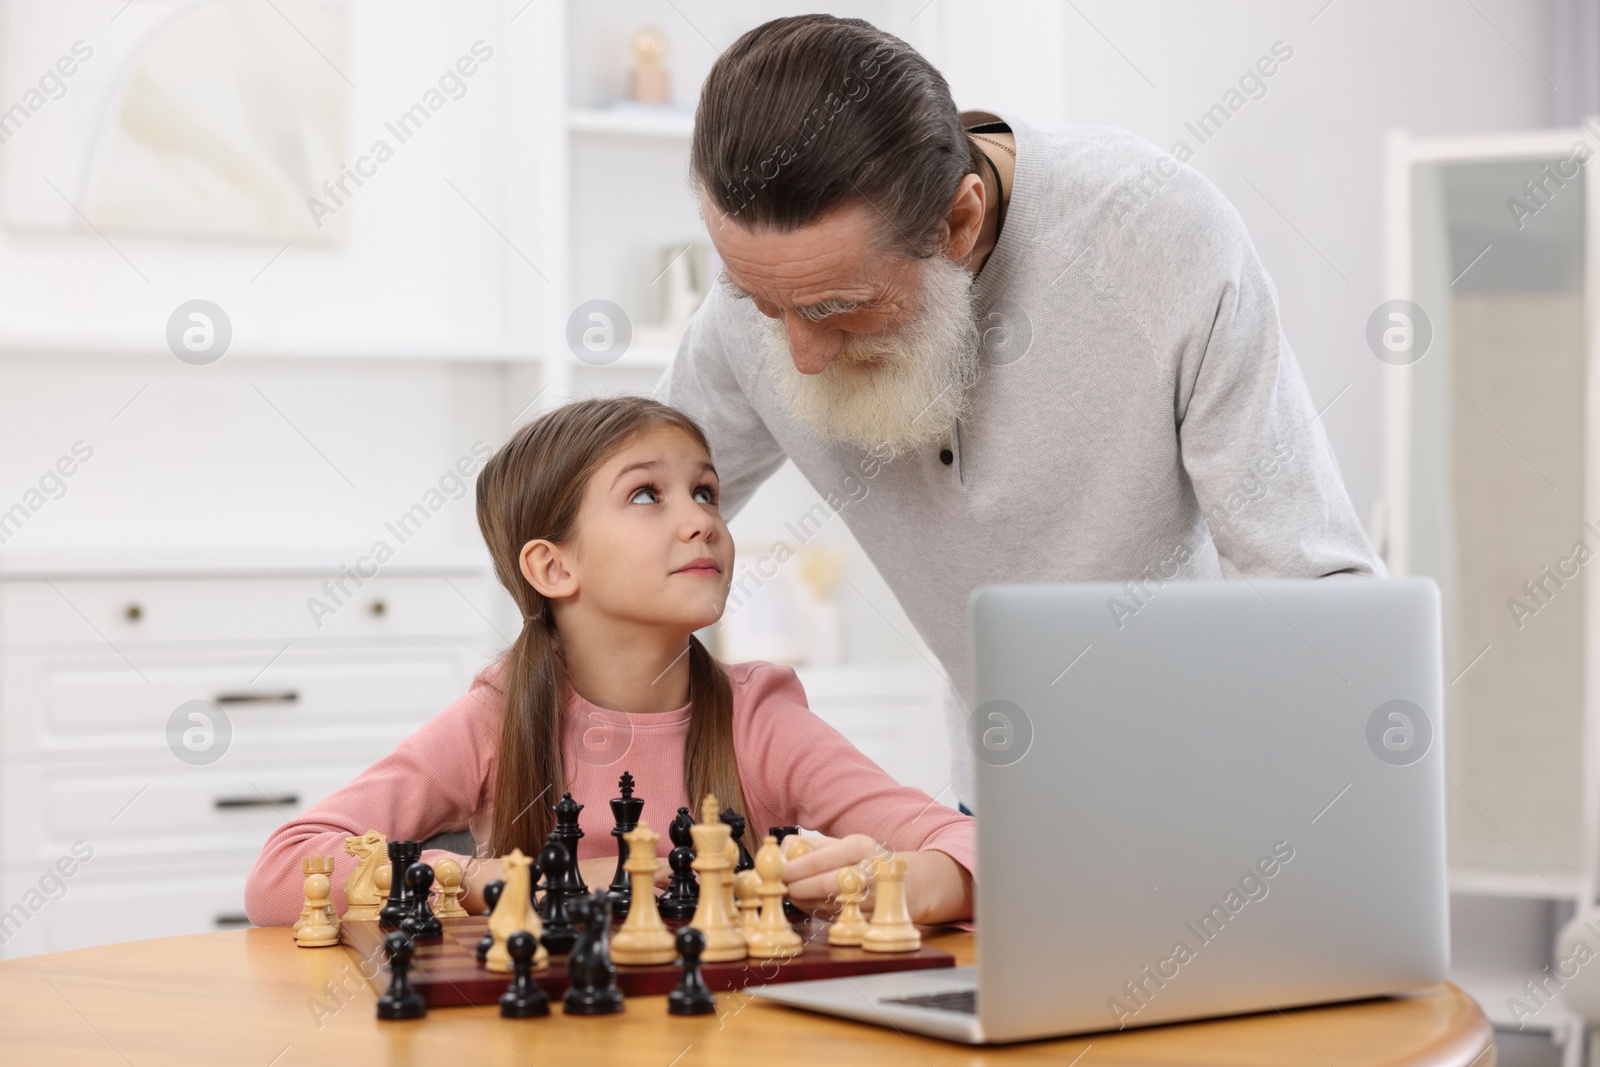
x,y
73,704
103,903
132,611
136,808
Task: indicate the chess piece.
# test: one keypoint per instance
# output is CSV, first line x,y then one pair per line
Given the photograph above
x,y
644,938
401,1000
679,900
747,895
713,915
735,823
402,854
731,852
321,928
491,896
773,938
567,831
851,925
795,913
592,977
690,996
891,928
362,896
625,811
448,872
649,81
421,923
559,934
523,999
310,865
513,911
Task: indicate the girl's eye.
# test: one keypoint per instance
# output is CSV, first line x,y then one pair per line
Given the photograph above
x,y
634,499
709,495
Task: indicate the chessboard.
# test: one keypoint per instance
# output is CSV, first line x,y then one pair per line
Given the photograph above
x,y
446,970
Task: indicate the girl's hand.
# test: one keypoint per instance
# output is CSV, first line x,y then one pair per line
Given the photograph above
x,y
812,878
938,889
475,875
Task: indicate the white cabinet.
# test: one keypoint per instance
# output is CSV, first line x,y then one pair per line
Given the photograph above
x,y
97,673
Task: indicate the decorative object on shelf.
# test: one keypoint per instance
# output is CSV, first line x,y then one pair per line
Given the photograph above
x,y
649,80
821,571
684,280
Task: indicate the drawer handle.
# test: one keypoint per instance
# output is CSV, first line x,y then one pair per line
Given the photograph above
x,y
287,800
288,696
230,918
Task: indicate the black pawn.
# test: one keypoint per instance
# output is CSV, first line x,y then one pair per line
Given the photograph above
x,y
592,977
398,906
735,822
524,999
682,894
568,832
421,922
791,911
401,1000
559,935
625,811
491,897
690,996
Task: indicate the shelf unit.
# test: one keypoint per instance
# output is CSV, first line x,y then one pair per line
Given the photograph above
x,y
1491,473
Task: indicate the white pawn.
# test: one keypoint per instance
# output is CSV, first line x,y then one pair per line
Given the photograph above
x,y
773,937
891,929
747,892
448,874
320,929
851,925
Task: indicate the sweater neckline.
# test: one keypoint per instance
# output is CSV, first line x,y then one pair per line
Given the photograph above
x,y
581,709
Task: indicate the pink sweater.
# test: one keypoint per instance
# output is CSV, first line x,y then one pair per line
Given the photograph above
x,y
794,768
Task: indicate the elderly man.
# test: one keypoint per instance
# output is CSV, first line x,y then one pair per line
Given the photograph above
x,y
975,344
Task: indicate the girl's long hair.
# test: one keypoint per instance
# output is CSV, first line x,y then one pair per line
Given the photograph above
x,y
531,489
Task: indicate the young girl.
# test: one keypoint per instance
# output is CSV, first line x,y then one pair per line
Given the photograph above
x,y
601,518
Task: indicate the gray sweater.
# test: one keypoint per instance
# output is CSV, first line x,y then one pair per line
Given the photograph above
x,y
1139,415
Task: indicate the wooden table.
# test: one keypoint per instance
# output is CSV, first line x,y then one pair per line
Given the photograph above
x,y
248,998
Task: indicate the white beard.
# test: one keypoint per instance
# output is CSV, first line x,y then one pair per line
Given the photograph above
x,y
912,396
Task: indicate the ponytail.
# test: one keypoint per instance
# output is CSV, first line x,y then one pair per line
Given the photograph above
x,y
530,774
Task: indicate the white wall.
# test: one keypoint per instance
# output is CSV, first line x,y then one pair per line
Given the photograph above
x,y
202,459
1304,163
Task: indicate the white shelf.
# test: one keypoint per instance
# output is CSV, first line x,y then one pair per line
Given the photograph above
x,y
17,563
638,121
637,357
398,349
1492,987
1490,882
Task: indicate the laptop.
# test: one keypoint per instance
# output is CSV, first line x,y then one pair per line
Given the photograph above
x,y
1194,799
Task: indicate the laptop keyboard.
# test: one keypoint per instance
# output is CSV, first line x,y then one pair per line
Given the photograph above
x,y
964,1001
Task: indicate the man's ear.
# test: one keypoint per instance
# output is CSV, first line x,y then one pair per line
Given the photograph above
x,y
544,566
965,219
